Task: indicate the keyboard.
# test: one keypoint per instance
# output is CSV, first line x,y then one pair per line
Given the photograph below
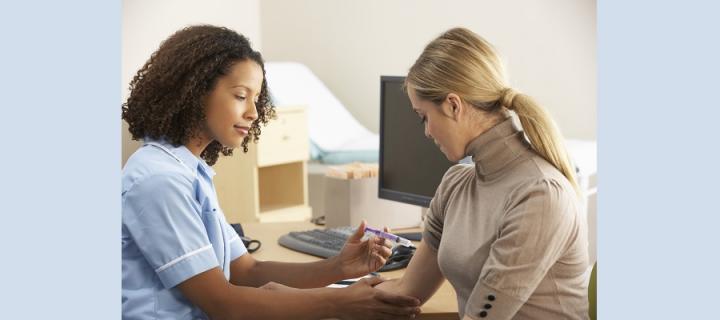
x,y
323,243
326,243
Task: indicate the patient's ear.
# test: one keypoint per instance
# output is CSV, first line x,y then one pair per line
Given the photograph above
x,y
455,107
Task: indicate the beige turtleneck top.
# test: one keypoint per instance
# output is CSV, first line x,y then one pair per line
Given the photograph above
x,y
509,233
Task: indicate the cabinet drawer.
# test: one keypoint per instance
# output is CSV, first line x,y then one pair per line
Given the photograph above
x,y
285,139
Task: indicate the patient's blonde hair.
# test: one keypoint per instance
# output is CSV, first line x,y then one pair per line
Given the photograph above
x,y
461,62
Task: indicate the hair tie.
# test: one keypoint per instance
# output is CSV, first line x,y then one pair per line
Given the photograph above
x,y
507,96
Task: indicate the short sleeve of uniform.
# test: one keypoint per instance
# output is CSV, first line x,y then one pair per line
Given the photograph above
x,y
164,220
237,247
435,218
536,229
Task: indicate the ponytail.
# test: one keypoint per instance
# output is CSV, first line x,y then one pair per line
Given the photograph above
x,y
542,132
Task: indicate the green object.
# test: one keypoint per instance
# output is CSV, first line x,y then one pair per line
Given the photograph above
x,y
592,293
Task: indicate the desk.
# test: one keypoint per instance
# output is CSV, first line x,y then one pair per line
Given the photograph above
x,y
442,305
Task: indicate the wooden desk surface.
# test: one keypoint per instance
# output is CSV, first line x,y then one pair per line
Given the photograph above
x,y
442,305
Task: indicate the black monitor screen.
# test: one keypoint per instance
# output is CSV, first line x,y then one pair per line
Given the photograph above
x,y
411,166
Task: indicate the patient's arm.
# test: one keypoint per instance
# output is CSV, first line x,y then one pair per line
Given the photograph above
x,y
422,277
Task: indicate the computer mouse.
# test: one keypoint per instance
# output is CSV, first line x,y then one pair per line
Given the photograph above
x,y
399,258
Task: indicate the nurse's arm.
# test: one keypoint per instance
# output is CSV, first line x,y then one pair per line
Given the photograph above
x,y
422,277
247,271
220,299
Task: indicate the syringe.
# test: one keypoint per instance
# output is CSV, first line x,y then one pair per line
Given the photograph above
x,y
399,240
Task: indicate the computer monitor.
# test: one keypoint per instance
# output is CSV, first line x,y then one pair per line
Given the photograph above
x,y
411,165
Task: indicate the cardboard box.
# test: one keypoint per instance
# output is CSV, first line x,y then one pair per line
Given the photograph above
x,y
349,201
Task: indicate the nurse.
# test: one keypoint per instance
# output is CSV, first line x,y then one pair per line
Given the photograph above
x,y
507,232
201,94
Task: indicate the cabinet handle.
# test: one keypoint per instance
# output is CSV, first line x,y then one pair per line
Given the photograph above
x,y
285,137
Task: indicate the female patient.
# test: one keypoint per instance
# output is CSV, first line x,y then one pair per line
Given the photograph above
x,y
508,233
202,93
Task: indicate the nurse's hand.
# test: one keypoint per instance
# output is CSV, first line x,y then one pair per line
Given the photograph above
x,y
358,258
362,301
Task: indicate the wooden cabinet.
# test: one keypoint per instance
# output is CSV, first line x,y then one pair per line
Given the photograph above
x,y
269,182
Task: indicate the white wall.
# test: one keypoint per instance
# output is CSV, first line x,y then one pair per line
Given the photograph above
x,y
548,46
147,23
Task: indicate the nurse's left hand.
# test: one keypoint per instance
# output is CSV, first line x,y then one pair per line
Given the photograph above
x,y
358,258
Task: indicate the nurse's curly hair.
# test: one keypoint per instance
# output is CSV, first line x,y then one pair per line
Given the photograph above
x,y
166,94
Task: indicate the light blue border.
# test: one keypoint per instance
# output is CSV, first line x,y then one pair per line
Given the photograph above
x,y
60,140
659,222
658,165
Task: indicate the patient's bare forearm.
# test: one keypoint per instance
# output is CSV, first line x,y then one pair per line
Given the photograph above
x,y
421,291
398,287
421,279
393,286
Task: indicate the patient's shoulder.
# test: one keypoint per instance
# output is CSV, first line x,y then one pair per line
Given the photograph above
x,y
459,172
454,176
